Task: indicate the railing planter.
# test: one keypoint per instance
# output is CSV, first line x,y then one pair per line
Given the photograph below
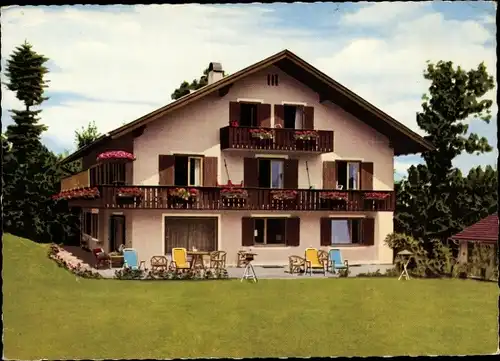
x,y
182,197
84,193
283,199
128,195
115,156
333,200
233,197
375,198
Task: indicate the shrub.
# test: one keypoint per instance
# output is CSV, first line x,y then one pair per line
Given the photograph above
x,y
391,272
187,275
344,272
130,274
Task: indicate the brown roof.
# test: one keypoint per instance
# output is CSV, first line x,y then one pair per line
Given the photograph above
x,y
403,139
486,230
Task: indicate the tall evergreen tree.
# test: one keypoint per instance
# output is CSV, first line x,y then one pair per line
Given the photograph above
x,y
433,200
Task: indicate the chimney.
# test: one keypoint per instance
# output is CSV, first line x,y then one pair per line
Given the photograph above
x,y
215,73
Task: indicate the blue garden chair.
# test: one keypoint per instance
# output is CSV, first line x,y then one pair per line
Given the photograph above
x,y
336,262
131,259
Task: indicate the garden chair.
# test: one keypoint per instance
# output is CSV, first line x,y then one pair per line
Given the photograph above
x,y
131,259
179,259
313,261
335,261
296,264
218,260
101,258
158,263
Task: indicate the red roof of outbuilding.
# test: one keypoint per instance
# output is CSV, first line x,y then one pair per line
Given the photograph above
x,y
486,230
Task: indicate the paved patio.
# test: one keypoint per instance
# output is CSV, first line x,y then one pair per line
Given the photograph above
x,y
280,272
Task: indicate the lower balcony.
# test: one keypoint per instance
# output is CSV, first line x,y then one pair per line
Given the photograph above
x,y
208,198
276,139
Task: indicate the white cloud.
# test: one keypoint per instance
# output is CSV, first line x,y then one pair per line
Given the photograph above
x,y
142,55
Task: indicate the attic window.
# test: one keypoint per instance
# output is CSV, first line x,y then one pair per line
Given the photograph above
x,y
272,79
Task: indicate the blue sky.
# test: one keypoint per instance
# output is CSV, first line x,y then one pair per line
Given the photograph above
x,y
113,64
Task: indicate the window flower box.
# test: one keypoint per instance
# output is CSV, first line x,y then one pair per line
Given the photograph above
x,y
115,156
262,134
283,199
234,123
377,196
306,135
342,196
234,193
282,195
128,195
83,193
181,197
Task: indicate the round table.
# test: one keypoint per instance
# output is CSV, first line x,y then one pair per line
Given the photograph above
x,y
197,258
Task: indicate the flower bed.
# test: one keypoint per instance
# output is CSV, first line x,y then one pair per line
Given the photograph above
x,y
115,155
334,195
261,133
376,195
85,193
129,274
55,253
305,134
284,195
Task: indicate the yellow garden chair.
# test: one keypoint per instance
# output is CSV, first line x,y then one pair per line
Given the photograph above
x,y
179,260
313,261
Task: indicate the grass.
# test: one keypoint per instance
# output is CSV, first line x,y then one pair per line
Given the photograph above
x,y
49,313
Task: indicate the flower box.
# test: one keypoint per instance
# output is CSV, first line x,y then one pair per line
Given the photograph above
x,y
115,156
234,193
342,196
83,193
377,196
183,193
260,133
283,194
234,123
306,135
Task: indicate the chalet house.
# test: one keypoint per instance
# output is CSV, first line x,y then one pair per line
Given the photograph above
x,y
275,158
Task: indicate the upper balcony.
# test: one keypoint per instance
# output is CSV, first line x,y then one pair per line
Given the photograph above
x,y
276,139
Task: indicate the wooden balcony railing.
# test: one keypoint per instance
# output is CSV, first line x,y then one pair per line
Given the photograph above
x,y
283,139
78,180
158,197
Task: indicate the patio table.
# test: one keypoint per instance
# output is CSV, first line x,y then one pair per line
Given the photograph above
x,y
197,258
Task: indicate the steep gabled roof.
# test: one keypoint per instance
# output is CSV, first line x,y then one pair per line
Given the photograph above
x,y
403,139
486,230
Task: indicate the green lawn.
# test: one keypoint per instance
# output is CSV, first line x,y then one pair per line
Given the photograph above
x,y
49,313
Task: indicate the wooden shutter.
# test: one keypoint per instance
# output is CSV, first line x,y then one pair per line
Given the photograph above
x,y
366,176
247,231
264,115
293,231
210,171
326,232
279,115
234,112
368,225
166,164
329,175
308,117
251,172
291,174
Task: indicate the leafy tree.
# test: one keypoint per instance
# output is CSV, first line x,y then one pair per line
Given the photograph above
x,y
433,200
196,84
86,136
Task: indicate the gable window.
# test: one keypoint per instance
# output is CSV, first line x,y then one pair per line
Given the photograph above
x,y
248,115
271,173
348,175
188,171
294,117
346,231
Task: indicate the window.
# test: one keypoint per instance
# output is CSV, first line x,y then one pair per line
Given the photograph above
x,y
270,231
188,171
271,173
248,115
108,174
294,117
348,175
346,231
90,224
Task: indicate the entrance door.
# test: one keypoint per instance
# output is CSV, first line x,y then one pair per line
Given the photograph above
x,y
189,232
116,232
